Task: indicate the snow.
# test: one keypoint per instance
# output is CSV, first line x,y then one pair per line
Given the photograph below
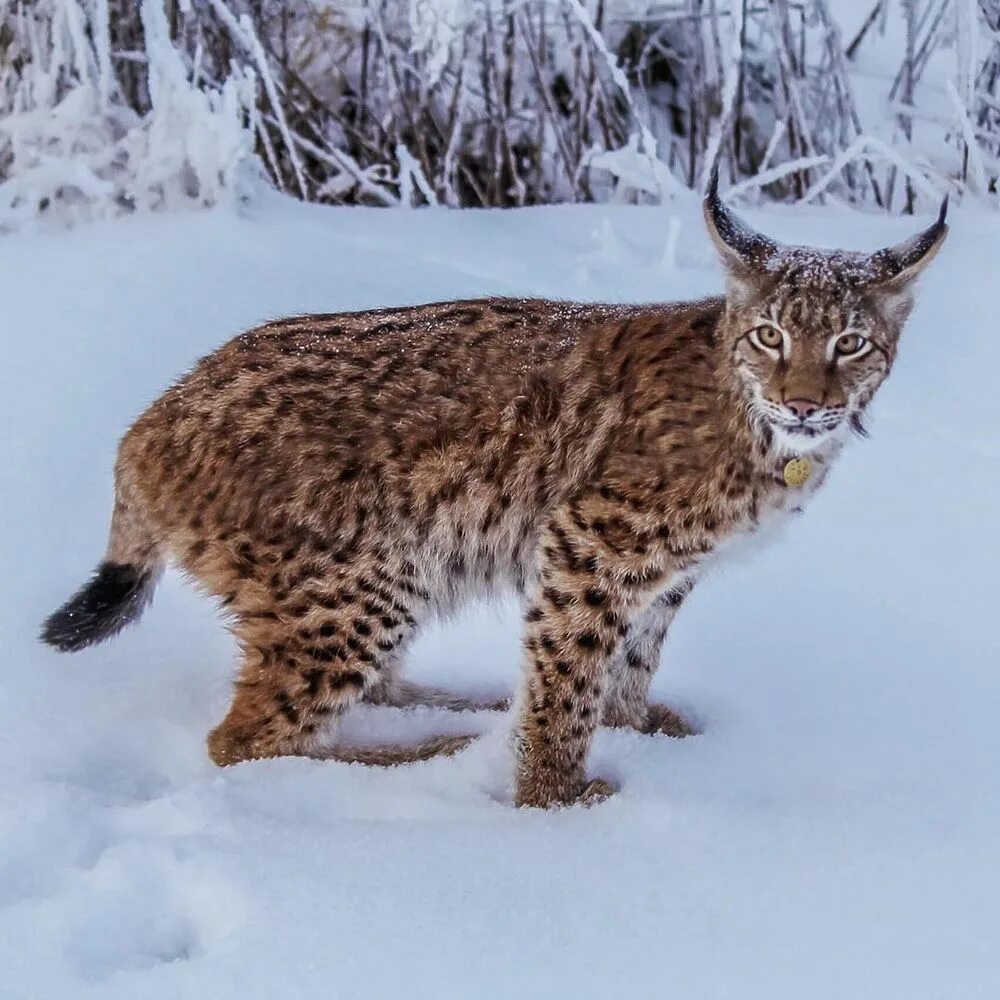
x,y
833,832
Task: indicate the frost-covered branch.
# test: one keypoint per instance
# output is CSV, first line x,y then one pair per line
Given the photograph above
x,y
110,106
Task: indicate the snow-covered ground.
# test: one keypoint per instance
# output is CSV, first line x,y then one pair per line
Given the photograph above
x,y
833,833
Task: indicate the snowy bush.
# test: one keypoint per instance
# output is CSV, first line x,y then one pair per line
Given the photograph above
x,y
73,146
117,105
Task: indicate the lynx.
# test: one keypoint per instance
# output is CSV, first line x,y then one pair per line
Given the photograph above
x,y
336,480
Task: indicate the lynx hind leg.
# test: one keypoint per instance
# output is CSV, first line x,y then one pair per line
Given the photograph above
x,y
399,693
307,658
315,633
287,697
289,708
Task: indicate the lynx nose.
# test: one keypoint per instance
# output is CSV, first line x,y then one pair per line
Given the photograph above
x,y
802,408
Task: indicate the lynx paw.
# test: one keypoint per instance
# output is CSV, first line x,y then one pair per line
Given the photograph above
x,y
663,719
587,793
596,791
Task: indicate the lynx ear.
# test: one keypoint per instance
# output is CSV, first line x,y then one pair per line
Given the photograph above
x,y
893,268
745,253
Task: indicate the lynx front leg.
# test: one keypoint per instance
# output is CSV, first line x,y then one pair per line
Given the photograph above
x,y
567,657
573,627
638,658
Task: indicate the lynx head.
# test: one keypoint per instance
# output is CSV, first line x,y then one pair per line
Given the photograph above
x,y
812,333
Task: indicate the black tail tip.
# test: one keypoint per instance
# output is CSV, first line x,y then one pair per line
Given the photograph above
x,y
114,596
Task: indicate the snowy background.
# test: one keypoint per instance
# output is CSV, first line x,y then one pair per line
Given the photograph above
x,y
832,832
115,106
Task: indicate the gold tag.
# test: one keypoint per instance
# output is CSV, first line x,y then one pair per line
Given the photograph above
x,y
798,471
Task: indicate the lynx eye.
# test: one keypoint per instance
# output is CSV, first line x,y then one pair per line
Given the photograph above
x,y
767,337
848,344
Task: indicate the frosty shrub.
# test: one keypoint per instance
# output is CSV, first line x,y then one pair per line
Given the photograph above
x,y
117,105
76,138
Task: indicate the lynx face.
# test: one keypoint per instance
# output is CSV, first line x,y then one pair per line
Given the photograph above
x,y
811,356
812,334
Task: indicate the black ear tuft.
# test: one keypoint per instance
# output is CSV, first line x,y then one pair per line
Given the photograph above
x,y
943,213
897,266
740,247
712,191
